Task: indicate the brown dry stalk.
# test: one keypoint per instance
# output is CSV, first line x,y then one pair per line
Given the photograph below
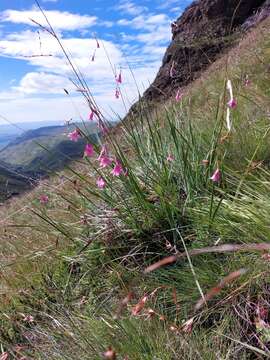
x,y
216,290
138,307
210,249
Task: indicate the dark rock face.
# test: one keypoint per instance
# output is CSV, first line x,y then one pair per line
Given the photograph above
x,y
204,31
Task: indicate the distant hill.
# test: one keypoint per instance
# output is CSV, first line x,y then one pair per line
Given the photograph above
x,y
8,132
38,152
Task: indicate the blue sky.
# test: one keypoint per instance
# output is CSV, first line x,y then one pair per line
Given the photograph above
x,y
133,33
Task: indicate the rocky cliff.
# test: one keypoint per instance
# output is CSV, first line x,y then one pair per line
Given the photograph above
x,y
204,31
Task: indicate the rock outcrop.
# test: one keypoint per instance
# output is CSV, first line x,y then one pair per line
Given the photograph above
x,y
203,32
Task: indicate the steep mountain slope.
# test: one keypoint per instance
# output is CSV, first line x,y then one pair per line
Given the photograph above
x,y
200,35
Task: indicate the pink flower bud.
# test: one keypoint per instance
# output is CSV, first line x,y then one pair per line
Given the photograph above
x,y
232,103
216,176
170,158
101,183
118,169
74,135
117,93
89,150
178,95
105,161
43,199
119,78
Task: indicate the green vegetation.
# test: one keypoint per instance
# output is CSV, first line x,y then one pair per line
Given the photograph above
x,y
73,280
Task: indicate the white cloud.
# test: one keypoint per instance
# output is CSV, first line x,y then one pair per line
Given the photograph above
x,y
128,7
169,3
177,10
160,36
42,83
143,22
59,20
155,28
26,44
37,95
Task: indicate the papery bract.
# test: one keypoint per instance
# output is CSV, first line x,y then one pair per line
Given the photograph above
x,y
228,120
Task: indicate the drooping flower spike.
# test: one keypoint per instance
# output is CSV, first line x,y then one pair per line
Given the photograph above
x,y
118,169
104,161
74,135
119,78
216,177
89,150
101,183
91,115
178,95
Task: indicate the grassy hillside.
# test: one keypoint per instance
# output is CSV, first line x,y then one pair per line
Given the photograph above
x,y
166,261
12,181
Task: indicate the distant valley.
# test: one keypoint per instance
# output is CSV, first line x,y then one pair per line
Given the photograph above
x,y
28,156
9,132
